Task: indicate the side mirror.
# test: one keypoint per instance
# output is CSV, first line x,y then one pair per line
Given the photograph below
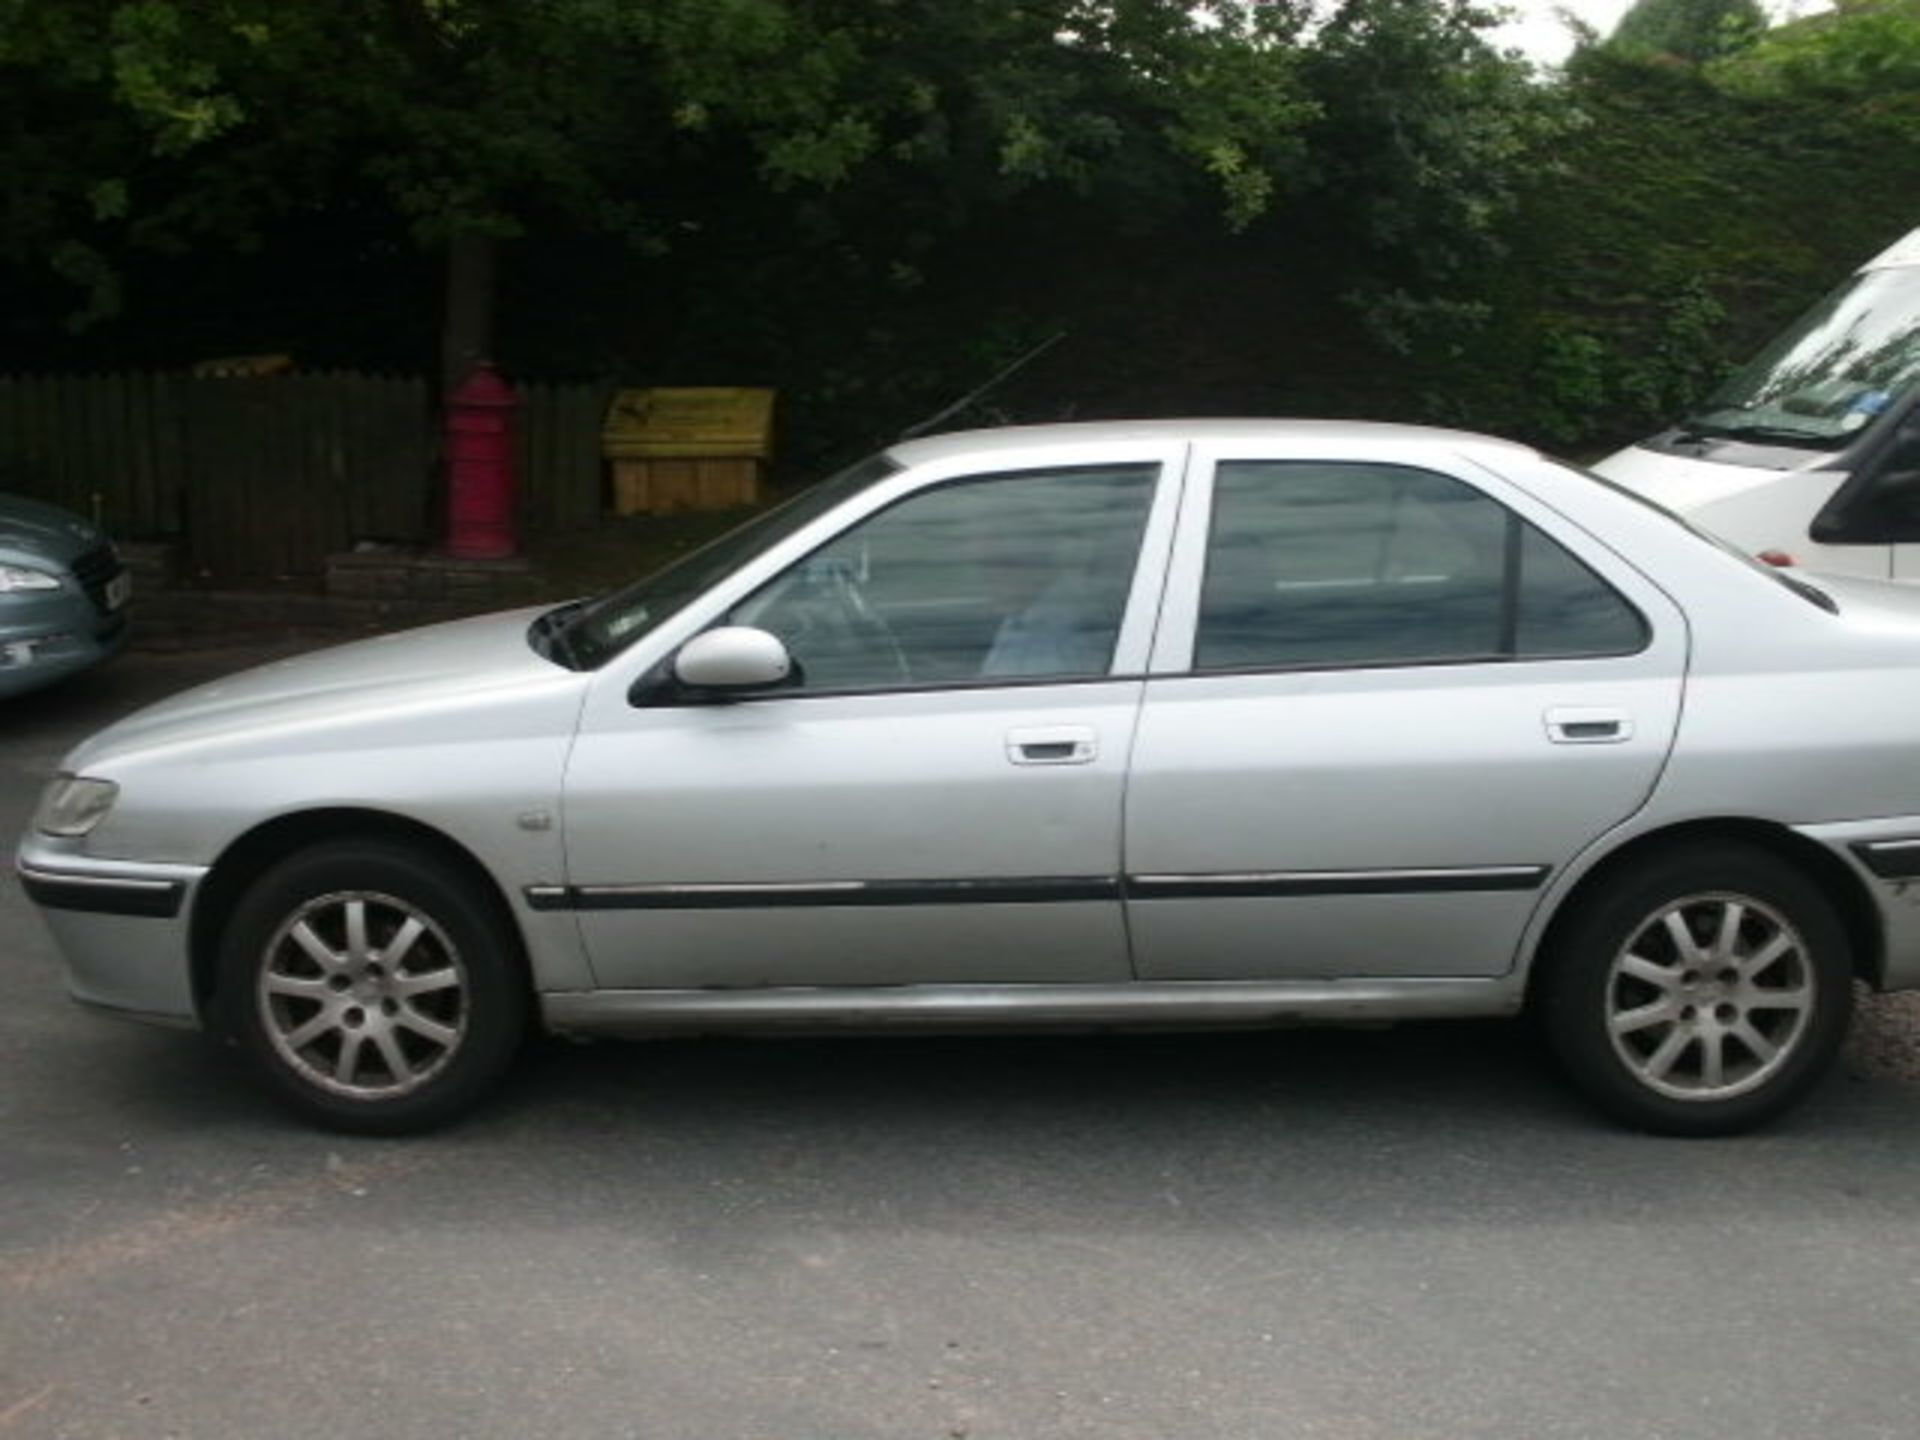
x,y
734,657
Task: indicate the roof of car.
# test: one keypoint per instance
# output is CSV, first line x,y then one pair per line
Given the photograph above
x,y
973,442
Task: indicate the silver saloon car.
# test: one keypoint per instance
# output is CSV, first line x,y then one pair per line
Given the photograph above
x,y
1207,723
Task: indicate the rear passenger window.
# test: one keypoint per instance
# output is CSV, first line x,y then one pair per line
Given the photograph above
x,y
1566,609
1314,564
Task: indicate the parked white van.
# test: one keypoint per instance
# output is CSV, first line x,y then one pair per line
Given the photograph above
x,y
1811,452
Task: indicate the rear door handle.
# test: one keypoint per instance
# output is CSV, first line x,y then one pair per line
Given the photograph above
x,y
1052,745
1573,725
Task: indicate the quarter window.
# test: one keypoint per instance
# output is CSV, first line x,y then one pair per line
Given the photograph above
x,y
1015,577
1318,564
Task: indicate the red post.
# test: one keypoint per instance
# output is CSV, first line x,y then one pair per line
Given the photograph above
x,y
481,483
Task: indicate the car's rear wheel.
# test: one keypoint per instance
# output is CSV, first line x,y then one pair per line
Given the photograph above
x,y
1700,992
374,985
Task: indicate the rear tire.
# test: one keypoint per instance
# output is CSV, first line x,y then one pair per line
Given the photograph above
x,y
1701,991
374,985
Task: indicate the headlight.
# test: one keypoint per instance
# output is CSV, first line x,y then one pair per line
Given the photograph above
x,y
22,577
72,805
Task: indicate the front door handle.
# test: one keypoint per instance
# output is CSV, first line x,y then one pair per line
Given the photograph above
x,y
1052,745
1575,725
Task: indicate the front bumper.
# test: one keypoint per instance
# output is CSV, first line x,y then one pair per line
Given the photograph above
x,y
120,927
45,638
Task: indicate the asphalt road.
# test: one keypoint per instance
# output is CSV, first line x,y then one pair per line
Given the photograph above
x,y
1400,1234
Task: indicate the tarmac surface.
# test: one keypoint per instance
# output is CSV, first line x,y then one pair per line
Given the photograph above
x,y
1398,1234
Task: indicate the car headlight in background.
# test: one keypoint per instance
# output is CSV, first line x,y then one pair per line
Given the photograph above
x,y
72,805
25,577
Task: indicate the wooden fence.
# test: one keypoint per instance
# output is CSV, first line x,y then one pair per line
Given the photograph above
x,y
562,475
266,477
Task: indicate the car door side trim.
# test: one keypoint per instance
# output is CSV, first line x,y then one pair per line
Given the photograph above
x,y
1032,890
998,890
95,894
1336,882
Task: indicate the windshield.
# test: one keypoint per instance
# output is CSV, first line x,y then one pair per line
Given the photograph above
x,y
603,627
1851,357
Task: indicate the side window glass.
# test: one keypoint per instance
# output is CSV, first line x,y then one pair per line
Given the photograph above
x,y
1320,564
1020,576
1566,609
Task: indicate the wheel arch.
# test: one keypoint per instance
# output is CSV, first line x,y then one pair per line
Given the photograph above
x,y
1843,888
256,851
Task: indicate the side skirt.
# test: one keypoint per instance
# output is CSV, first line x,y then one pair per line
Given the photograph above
x,y
1197,1004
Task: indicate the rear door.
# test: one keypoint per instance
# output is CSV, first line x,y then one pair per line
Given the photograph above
x,y
1388,700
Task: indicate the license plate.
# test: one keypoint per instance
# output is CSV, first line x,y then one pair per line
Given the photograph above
x,y
118,589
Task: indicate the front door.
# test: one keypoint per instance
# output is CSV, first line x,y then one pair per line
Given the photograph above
x,y
936,800
1391,706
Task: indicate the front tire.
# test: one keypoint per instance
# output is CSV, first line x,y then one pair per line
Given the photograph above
x,y
374,985
1702,991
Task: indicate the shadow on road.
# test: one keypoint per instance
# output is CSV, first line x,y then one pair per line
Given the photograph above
x,y
1447,1124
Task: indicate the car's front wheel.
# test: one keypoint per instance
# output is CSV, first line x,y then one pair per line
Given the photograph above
x,y
1700,991
374,985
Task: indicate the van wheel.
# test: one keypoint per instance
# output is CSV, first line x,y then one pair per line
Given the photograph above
x,y
375,986
1700,992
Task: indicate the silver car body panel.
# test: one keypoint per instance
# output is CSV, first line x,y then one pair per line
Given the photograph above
x,y
122,927
1383,769
841,790
640,1013
1403,834
1885,854
895,786
461,728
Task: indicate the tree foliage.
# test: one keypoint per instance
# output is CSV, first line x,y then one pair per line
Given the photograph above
x,y
1641,267
1346,205
187,121
1863,49
1695,31
1424,133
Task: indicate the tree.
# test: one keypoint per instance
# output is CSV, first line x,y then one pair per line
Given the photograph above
x,y
1424,134
1861,50
188,122
1695,31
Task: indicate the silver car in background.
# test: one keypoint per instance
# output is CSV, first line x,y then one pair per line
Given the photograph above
x,y
63,595
1205,723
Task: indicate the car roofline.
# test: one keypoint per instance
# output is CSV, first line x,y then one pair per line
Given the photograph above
x,y
1039,437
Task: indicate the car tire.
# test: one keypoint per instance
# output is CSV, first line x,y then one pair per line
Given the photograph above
x,y
1701,991
375,985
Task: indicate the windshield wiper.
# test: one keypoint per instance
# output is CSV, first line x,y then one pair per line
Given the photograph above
x,y
1693,431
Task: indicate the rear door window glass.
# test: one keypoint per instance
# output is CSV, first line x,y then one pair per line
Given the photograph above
x,y
1338,564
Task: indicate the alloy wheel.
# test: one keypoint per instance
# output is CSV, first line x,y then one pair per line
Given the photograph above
x,y
363,995
1710,997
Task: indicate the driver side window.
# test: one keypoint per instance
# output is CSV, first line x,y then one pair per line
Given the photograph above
x,y
1018,576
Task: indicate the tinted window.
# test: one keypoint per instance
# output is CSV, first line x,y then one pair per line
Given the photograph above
x,y
1339,564
1013,577
1566,609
